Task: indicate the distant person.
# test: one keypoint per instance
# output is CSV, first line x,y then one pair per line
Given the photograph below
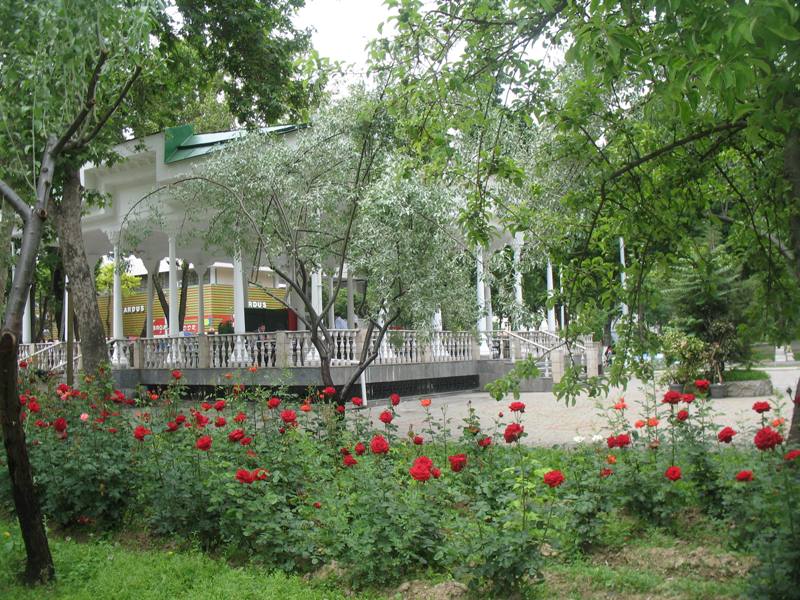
x,y
339,323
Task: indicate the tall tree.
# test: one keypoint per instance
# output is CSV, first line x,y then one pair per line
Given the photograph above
x,y
56,99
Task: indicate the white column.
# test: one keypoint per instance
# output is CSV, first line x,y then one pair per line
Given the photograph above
x,y
316,291
241,357
518,241
173,287
351,292
118,334
238,294
201,301
152,272
484,347
65,310
332,307
26,319
622,271
561,288
551,312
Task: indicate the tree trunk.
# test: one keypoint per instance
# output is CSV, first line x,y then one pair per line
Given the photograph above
x,y
162,299
40,562
791,170
81,286
184,294
6,260
793,436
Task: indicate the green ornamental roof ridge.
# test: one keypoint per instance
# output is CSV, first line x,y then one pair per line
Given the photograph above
x,y
181,143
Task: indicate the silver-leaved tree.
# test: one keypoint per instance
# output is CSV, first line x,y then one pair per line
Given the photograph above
x,y
337,198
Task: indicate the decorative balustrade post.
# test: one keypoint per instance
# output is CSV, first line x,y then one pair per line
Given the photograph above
x,y
203,352
282,353
516,348
475,346
557,364
592,359
361,339
138,354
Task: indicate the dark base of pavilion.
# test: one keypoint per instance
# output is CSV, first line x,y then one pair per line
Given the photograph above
x,y
381,380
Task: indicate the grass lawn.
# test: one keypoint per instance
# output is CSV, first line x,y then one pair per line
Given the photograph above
x,y
643,564
102,570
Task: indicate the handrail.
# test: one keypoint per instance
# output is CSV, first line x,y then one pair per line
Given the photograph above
x,y
532,343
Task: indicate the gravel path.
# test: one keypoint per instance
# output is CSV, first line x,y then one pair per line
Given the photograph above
x,y
550,422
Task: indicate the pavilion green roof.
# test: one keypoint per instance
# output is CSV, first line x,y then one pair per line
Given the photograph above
x,y
181,143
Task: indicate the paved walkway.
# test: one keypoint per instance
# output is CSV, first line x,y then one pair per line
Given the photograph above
x,y
550,422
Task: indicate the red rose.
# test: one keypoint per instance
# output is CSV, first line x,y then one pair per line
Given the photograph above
x,y
744,476
726,435
236,435
219,405
60,424
360,448
244,476
329,391
23,364
419,472
306,407
317,505
339,408
605,472
394,399
200,420
517,407
682,415
418,441
357,401
386,417
245,441
180,419
761,407
688,398
791,455
436,472
176,374
220,422
349,461
421,468
639,424
619,441
554,478
172,426
203,443
40,423
701,384
240,417
513,432
206,406
33,406
273,402
767,438
485,442
457,462
288,416
673,473
140,431
379,445
671,397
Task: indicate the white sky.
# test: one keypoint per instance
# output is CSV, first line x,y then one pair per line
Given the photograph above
x,y
341,29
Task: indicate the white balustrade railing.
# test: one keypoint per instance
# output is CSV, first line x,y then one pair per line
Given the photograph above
x,y
294,349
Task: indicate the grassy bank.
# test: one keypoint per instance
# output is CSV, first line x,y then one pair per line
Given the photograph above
x,y
98,569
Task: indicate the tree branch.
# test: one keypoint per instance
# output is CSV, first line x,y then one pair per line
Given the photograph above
x,y
18,204
88,104
112,109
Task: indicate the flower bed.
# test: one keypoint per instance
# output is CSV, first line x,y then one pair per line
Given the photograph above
x,y
297,483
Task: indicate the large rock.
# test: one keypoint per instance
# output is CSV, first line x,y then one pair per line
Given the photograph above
x,y
756,387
